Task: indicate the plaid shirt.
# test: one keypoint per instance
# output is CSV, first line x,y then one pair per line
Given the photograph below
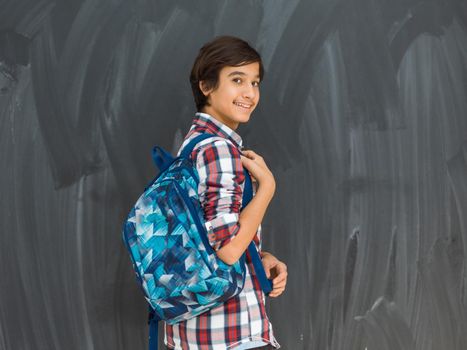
x,y
241,322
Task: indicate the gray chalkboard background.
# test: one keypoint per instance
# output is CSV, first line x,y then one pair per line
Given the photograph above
x,y
362,118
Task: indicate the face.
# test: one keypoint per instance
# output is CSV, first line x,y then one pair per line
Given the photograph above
x,y
236,96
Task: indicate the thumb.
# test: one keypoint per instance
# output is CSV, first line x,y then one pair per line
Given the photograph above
x,y
247,162
244,158
267,268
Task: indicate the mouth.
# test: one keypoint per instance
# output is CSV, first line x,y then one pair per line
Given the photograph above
x,y
243,106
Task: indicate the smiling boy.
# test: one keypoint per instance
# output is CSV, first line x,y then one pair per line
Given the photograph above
x,y
225,80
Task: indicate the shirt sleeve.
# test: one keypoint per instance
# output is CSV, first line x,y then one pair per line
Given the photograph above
x,y
221,177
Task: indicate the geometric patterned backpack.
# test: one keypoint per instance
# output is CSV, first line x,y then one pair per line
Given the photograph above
x,y
164,233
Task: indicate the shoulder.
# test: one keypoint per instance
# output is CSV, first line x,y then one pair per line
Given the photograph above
x,y
215,148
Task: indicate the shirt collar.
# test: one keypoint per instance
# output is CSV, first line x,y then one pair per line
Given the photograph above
x,y
213,126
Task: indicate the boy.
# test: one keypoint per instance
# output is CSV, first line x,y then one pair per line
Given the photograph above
x,y
225,82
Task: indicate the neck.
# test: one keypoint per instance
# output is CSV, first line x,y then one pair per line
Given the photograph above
x,y
209,111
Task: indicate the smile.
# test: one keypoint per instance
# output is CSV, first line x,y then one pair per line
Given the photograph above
x,y
243,105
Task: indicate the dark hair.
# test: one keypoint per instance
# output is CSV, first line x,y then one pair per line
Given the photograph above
x,y
223,51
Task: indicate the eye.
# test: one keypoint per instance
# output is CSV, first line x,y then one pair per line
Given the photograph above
x,y
239,81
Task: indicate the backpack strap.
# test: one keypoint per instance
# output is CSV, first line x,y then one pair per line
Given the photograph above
x,y
266,284
162,158
153,321
191,145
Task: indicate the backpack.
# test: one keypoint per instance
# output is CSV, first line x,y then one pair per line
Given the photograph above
x,y
164,233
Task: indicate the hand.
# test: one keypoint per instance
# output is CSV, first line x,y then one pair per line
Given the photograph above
x,y
276,270
258,169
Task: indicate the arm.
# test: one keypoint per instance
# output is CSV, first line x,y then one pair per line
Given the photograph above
x,y
253,213
221,175
250,219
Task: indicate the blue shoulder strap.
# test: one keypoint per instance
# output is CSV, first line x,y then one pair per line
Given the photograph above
x,y
186,151
153,321
163,161
162,158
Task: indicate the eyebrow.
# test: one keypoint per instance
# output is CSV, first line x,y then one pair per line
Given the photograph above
x,y
239,73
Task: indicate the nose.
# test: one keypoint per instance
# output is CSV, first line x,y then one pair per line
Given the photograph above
x,y
249,92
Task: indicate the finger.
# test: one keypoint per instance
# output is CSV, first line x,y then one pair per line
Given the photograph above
x,y
280,285
250,160
280,277
246,161
250,151
278,289
281,266
250,164
249,154
279,282
276,282
275,294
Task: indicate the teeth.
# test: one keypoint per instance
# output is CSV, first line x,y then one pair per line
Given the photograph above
x,y
242,105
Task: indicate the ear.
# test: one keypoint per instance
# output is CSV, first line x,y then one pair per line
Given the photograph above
x,y
202,87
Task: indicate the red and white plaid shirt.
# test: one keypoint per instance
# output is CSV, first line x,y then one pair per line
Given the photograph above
x,y
241,322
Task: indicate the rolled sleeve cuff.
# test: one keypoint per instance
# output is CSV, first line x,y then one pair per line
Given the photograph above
x,y
222,229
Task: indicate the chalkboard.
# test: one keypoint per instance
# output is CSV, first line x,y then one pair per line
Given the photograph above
x,y
362,119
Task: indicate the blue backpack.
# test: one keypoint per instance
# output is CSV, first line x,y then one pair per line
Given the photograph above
x,y
178,270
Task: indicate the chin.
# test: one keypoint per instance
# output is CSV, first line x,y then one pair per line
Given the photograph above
x,y
244,119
